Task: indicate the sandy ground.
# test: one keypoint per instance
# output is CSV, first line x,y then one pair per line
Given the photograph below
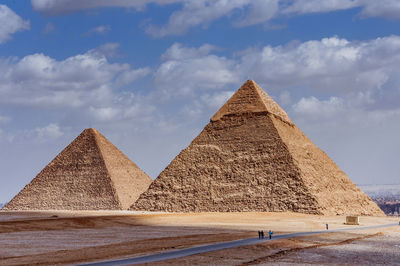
x,y
72,237
366,248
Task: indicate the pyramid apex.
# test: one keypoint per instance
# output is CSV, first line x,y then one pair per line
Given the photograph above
x,y
251,82
251,98
90,129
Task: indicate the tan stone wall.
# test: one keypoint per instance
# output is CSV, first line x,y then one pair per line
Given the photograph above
x,y
251,157
250,98
335,192
237,163
127,179
89,174
76,179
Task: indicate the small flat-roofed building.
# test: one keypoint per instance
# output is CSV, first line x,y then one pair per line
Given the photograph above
x,y
352,220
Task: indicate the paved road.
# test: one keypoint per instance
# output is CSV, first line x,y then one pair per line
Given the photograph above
x,y
224,245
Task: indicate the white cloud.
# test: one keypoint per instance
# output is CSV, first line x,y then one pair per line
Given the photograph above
x,y
50,131
389,9
361,140
57,7
4,119
104,113
10,23
141,110
185,70
217,99
108,50
366,72
259,11
179,52
331,64
204,12
84,90
317,6
39,80
242,12
129,76
313,108
285,98
384,8
205,104
193,13
100,30
355,87
135,108
354,110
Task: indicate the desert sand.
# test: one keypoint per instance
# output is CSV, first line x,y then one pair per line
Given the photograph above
x,y
70,237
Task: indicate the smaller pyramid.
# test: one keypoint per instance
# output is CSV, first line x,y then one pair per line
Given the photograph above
x,y
89,174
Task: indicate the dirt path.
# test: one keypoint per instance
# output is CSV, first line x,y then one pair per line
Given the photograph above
x,y
297,249
228,245
79,237
342,248
118,250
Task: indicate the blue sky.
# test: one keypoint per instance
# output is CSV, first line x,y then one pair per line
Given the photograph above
x,y
149,74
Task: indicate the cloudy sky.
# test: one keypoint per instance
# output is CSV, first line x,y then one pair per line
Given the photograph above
x,y
148,74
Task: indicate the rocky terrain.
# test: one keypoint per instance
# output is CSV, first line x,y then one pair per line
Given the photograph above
x,y
251,157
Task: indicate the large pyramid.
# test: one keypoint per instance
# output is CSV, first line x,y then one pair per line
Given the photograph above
x,y
251,157
89,174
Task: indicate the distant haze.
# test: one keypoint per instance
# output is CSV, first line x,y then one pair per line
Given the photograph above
x,y
386,191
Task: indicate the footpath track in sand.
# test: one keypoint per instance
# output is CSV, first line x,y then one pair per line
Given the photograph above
x,y
224,245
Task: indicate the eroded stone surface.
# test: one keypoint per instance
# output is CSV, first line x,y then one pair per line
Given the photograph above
x,y
251,157
250,98
218,172
334,191
89,174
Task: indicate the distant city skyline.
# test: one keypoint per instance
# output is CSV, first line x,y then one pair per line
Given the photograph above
x,y
149,75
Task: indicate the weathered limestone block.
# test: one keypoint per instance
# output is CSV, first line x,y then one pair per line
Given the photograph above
x,y
89,174
251,157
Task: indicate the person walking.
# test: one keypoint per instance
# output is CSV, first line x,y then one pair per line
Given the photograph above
x,y
262,234
270,234
259,234
327,227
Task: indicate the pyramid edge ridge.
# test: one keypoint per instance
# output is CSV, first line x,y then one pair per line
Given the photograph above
x,y
143,176
114,190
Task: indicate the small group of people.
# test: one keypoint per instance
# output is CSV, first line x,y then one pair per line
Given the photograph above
x,y
261,234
